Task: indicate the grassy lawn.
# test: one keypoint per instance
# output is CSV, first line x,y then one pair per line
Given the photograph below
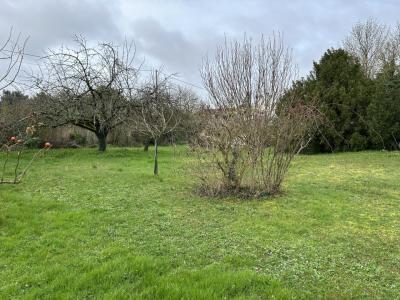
x,y
90,225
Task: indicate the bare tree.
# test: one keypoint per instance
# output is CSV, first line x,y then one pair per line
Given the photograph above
x,y
248,140
11,57
158,110
13,116
375,45
89,87
365,42
390,56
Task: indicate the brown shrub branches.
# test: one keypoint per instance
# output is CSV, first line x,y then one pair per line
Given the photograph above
x,y
249,136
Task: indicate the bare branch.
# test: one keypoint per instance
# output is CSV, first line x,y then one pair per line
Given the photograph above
x,y
11,57
247,136
90,87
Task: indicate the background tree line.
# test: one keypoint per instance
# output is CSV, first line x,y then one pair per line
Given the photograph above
x,y
17,106
99,90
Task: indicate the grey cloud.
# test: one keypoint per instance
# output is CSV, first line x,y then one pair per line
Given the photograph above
x,y
50,23
178,33
171,49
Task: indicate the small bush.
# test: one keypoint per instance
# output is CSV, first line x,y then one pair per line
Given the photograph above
x,y
358,142
77,138
247,139
12,172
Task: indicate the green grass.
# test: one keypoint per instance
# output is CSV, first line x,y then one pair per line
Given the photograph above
x,y
89,225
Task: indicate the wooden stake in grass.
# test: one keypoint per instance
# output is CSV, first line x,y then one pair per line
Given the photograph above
x,y
155,158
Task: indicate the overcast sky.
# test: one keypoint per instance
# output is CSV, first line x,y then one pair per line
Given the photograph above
x,y
178,33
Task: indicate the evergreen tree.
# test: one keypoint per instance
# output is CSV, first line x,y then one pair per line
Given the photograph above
x,y
342,93
384,111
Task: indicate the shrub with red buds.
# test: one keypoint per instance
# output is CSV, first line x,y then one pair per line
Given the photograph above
x,y
14,149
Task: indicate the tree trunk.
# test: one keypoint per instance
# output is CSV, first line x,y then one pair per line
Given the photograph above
x,y
146,146
102,137
155,157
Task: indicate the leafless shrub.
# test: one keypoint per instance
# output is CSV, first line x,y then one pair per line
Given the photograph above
x,y
11,153
248,139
